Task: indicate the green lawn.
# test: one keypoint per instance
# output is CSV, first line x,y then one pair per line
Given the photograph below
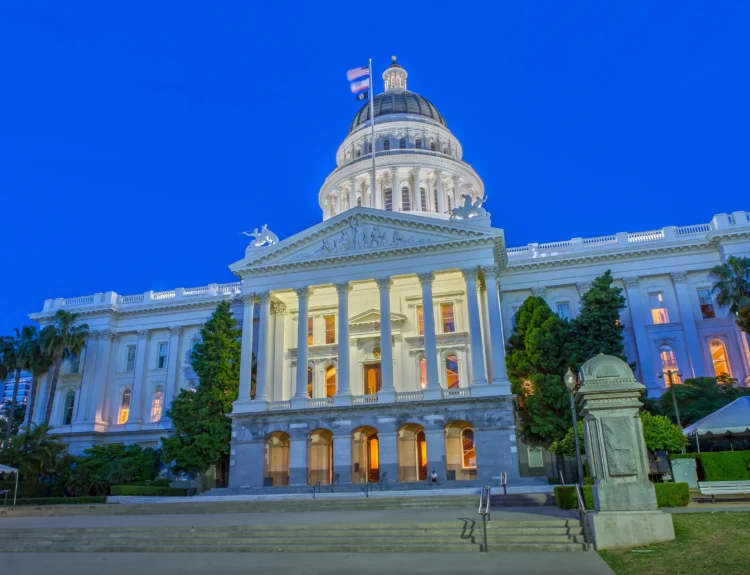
x,y
706,544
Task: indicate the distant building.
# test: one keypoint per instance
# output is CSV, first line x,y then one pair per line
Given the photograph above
x,y
24,388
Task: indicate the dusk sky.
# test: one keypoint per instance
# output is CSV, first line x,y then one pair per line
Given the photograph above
x,y
138,139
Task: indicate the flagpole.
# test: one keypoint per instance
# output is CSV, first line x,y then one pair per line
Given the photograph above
x,y
372,121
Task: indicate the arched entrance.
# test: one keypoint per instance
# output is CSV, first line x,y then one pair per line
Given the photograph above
x,y
365,455
412,453
320,457
460,450
276,472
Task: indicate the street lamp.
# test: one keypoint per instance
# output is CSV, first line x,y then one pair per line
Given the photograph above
x,y
669,376
570,382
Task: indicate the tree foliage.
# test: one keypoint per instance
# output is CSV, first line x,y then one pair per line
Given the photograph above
x,y
202,428
732,285
102,466
34,453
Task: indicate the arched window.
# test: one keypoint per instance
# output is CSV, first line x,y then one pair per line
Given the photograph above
x,y
348,155
388,199
422,372
720,358
445,149
435,205
449,203
369,147
452,379
309,382
330,381
432,146
386,144
157,404
358,153
70,401
669,362
402,144
124,413
405,200
418,144
423,199
469,459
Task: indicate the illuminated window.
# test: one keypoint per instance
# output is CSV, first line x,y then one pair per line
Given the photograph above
x,y
402,143
405,199
330,381
161,362
330,324
124,413
658,309
418,144
420,320
446,313
388,199
130,358
451,372
563,310
669,362
157,404
469,460
75,363
720,358
386,144
423,199
309,382
423,372
70,401
707,303
310,331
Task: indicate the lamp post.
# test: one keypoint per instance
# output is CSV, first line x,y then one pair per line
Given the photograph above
x,y
570,382
669,376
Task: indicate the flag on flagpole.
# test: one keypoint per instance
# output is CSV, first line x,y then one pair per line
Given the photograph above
x,y
360,85
363,95
357,73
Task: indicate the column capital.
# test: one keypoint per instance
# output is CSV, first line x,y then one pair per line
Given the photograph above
x,y
105,334
303,292
343,287
249,299
142,333
630,281
679,277
456,179
583,287
352,180
175,330
470,273
264,297
384,283
426,278
438,172
416,169
491,271
278,308
539,291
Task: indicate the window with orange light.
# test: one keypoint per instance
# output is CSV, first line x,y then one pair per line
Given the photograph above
x,y
659,312
310,331
669,363
446,313
452,379
423,372
420,319
330,323
469,460
330,381
720,358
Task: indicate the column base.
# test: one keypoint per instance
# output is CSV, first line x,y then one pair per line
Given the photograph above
x,y
620,529
486,390
387,396
433,393
342,399
299,402
248,406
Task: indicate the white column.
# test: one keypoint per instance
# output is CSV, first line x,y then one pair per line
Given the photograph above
x,y
136,401
378,199
432,390
300,394
172,385
87,379
246,362
456,191
417,194
478,373
688,323
640,319
499,373
99,376
352,193
339,203
440,194
343,382
263,375
387,391
395,192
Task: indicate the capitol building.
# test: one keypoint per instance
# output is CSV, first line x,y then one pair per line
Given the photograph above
x,y
379,334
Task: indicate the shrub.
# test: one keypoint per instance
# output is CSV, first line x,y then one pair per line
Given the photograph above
x,y
726,465
28,490
60,500
147,490
565,497
672,494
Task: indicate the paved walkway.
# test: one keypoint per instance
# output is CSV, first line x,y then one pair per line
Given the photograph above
x,y
304,563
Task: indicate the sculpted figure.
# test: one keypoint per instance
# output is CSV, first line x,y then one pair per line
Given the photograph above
x,y
264,237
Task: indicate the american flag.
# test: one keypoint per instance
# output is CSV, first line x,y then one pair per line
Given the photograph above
x,y
357,72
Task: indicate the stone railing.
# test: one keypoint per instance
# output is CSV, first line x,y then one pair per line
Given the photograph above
x,y
364,399
278,405
320,402
719,223
410,396
115,299
457,392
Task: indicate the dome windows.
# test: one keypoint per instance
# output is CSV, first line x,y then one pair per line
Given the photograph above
x,y
402,144
418,144
405,199
388,199
386,144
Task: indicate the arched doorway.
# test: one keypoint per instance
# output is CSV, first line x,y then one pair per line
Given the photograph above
x,y
365,455
276,472
320,457
460,450
412,453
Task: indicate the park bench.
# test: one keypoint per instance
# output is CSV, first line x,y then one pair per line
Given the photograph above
x,y
714,488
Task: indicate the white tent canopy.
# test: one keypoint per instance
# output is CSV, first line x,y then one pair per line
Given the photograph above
x,y
732,418
6,469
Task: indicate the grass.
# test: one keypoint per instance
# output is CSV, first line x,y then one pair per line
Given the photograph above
x,y
706,544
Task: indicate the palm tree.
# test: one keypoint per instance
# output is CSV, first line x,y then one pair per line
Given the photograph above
x,y
34,360
11,350
61,340
34,453
732,284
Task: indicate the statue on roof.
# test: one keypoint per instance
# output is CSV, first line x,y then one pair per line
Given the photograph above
x,y
470,209
264,237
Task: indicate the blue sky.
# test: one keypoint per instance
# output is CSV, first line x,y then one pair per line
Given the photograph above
x,y
137,139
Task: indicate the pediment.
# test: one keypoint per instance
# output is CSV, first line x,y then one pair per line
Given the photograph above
x,y
363,232
372,316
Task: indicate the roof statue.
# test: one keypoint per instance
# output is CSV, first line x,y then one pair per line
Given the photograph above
x,y
470,209
264,237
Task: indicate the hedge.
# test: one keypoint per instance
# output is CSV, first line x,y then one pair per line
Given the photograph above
x,y
721,465
57,500
667,495
147,490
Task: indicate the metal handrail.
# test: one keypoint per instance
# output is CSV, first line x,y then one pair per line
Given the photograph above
x,y
484,511
583,514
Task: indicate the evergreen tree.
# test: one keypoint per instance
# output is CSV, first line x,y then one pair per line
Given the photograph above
x,y
202,428
698,397
597,328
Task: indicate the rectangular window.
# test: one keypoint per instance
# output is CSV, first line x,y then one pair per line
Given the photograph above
x,y
330,321
388,199
446,312
420,320
563,310
130,362
75,364
706,301
156,405
658,309
310,331
161,362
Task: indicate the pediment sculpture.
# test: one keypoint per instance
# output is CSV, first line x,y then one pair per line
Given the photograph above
x,y
264,237
470,209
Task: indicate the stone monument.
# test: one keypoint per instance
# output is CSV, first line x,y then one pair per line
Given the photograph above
x,y
625,501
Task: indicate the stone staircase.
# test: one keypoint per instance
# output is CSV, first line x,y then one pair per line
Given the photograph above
x,y
462,535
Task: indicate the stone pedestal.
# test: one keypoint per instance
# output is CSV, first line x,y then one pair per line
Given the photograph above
x,y
626,511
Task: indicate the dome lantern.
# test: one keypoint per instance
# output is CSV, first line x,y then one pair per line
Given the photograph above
x,y
395,76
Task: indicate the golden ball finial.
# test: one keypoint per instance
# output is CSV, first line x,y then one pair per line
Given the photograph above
x,y
393,59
